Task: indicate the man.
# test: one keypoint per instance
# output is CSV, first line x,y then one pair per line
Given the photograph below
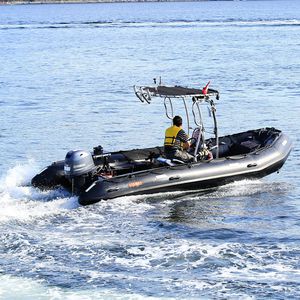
x,y
176,142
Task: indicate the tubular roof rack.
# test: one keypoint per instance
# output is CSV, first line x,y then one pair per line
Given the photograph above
x,y
197,97
145,93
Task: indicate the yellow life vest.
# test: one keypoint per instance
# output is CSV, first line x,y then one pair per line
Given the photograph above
x,y
170,136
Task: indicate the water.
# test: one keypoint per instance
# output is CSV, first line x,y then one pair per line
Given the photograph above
x,y
66,80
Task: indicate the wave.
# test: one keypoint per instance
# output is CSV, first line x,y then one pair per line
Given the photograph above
x,y
13,287
154,23
249,187
124,235
21,202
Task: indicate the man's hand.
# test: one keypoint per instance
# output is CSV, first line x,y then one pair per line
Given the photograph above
x,y
186,146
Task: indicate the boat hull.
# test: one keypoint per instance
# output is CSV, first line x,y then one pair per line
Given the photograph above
x,y
193,176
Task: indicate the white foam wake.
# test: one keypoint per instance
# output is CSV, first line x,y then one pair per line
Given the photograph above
x,y
22,202
155,23
27,289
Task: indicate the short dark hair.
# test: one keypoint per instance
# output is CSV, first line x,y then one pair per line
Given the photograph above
x,y
177,120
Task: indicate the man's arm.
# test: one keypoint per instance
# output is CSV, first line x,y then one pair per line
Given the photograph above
x,y
184,138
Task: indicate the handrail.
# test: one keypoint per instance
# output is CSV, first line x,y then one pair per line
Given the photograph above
x,y
213,110
187,115
194,114
166,108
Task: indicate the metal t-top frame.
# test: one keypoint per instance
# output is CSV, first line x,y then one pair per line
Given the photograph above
x,y
196,96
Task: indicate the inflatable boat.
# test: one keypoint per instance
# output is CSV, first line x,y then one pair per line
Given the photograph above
x,y
99,175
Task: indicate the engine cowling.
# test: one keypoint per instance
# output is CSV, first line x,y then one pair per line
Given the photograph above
x,y
79,169
78,162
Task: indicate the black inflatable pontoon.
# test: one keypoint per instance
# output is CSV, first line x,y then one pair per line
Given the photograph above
x,y
100,176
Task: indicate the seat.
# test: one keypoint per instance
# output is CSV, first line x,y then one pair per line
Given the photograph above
x,y
170,162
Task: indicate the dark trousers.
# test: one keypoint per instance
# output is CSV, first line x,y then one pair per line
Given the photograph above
x,y
179,154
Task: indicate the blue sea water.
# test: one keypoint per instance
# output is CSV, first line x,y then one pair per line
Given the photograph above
x,y
66,80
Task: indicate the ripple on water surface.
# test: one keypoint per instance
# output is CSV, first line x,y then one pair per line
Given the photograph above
x,y
239,241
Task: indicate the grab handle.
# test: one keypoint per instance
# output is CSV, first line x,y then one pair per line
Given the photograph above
x,y
252,165
112,190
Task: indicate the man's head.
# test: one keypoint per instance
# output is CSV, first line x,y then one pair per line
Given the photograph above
x,y
177,120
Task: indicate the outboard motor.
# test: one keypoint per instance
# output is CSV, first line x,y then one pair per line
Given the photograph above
x,y
79,168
